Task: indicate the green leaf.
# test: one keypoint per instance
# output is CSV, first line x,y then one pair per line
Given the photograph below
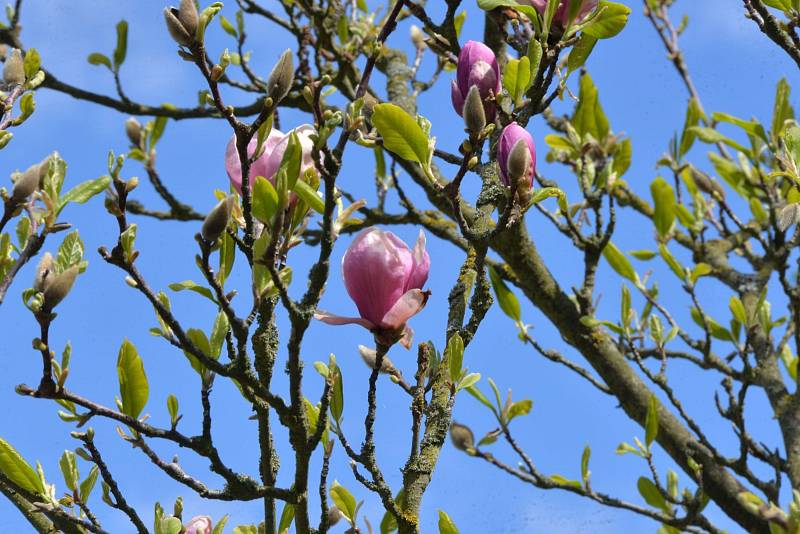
x,y
227,26
475,392
672,262
589,117
693,115
69,469
611,20
446,525
172,408
192,286
309,195
753,128
488,5
33,63
621,264
122,44
622,157
782,111
714,328
711,136
400,132
70,252
458,21
88,484
343,500
505,298
159,125
535,57
221,326
455,355
643,255
96,58
82,192
651,420
337,398
587,454
287,516
519,408
220,526
517,78
265,200
651,495
133,387
200,341
737,309
17,470
580,52
664,199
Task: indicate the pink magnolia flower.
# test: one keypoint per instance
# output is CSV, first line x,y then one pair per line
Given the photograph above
x,y
200,524
269,161
477,65
384,278
512,134
562,12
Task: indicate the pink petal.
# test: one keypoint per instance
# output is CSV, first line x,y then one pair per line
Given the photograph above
x,y
233,165
408,337
457,98
337,320
406,307
422,264
273,162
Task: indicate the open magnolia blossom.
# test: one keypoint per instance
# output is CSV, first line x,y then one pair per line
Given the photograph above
x,y
200,524
268,163
561,17
384,278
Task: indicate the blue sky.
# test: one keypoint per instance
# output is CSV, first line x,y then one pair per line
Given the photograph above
x,y
735,69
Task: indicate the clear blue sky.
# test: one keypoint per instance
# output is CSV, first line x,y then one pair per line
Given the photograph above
x,y
735,70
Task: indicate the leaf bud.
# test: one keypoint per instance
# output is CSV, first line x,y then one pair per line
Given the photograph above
x,y
134,131
216,72
417,37
14,69
474,114
131,184
334,515
25,184
281,78
217,220
370,357
462,437
59,288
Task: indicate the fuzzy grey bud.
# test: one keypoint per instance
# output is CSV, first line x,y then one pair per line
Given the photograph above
x,y
370,358
14,69
334,515
706,184
462,437
177,30
188,16
59,288
281,78
26,183
217,220
44,272
418,38
134,131
44,169
519,161
474,114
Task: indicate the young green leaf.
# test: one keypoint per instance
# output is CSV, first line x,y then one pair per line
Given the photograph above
x,y
17,470
505,298
611,19
400,133
446,525
619,262
343,500
133,388
651,420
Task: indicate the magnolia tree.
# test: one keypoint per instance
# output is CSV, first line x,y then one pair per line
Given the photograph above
x,y
729,236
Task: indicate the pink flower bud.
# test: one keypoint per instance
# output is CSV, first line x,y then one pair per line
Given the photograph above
x,y
511,134
200,524
562,11
477,65
273,162
384,278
